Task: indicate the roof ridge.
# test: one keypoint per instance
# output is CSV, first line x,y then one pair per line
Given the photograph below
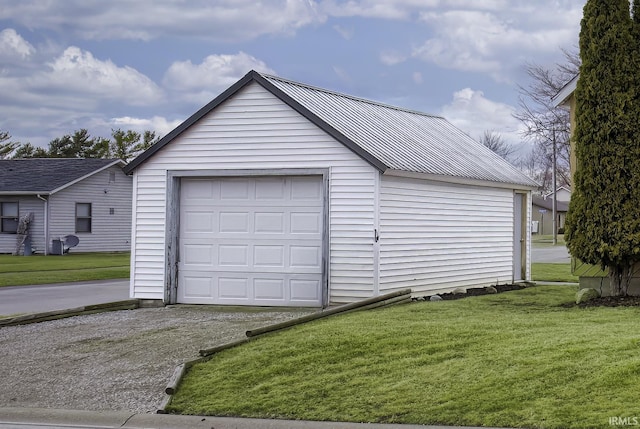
x,y
351,97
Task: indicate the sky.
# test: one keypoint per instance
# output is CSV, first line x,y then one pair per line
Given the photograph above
x,y
149,65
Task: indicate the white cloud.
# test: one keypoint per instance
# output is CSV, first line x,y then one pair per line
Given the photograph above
x,y
385,9
79,71
480,41
392,58
221,20
473,113
202,82
160,125
13,46
345,33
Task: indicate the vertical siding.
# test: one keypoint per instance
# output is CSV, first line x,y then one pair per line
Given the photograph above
x,y
437,236
109,232
255,130
26,204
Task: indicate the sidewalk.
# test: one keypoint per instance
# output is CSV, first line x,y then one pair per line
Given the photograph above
x,y
39,418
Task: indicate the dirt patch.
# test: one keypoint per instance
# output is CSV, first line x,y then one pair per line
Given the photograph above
x,y
119,360
477,291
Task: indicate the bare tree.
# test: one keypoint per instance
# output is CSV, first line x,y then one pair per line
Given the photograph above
x,y
494,141
544,124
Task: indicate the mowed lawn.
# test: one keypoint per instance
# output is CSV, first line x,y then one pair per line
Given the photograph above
x,y
515,359
40,269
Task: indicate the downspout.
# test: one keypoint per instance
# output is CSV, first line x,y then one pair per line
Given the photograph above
x,y
46,224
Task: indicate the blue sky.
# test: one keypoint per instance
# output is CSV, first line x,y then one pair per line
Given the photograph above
x,y
100,65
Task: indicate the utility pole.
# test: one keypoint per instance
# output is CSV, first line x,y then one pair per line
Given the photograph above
x,y
555,187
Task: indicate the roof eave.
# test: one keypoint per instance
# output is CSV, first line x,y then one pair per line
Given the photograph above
x,y
22,193
561,99
79,179
462,180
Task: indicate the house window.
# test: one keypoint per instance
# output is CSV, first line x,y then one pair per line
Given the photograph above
x,y
112,176
9,217
83,217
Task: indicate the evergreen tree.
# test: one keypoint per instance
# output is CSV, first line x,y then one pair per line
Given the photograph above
x,y
603,222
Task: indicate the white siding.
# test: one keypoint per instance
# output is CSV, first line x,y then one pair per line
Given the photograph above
x,y
436,236
26,204
109,232
255,130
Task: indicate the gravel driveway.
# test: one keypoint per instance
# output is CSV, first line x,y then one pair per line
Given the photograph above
x,y
119,360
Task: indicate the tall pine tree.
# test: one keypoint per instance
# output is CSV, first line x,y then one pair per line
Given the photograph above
x,y
603,222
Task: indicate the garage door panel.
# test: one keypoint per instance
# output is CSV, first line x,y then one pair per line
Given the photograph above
x,y
198,254
198,221
306,188
233,222
233,255
304,290
197,287
269,289
234,189
305,257
233,288
258,241
269,256
269,222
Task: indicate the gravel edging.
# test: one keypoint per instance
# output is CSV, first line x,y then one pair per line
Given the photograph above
x,y
118,360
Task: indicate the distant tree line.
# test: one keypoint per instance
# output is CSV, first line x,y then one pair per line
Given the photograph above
x,y
124,145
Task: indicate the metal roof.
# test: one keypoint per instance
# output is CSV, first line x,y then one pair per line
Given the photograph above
x,y
388,137
46,175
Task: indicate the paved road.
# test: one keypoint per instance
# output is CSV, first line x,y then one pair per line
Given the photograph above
x,y
33,299
14,418
550,254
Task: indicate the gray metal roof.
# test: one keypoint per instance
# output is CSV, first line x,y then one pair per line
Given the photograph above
x,y
402,139
45,175
389,138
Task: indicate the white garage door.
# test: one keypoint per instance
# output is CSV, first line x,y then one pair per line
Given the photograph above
x,y
251,241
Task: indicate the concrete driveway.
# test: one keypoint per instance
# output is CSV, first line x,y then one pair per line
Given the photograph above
x,y
550,254
41,298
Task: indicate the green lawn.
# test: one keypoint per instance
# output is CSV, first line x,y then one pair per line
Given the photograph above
x,y
516,359
39,269
546,240
552,273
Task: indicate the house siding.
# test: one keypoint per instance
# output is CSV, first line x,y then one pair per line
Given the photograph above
x,y
109,232
254,130
26,204
435,236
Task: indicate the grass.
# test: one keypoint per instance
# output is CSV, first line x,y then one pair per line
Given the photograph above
x,y
552,272
516,359
39,269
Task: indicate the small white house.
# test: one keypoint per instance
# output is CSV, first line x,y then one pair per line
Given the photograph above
x,y
277,193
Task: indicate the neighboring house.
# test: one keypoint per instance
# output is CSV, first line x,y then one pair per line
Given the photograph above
x,y
277,193
542,213
563,194
88,198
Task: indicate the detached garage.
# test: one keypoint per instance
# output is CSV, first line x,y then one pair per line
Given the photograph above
x,y
281,194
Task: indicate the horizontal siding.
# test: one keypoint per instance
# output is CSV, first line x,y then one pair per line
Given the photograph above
x,y
435,237
255,130
26,204
109,232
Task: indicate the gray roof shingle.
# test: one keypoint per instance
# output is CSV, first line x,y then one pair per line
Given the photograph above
x,y
44,175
